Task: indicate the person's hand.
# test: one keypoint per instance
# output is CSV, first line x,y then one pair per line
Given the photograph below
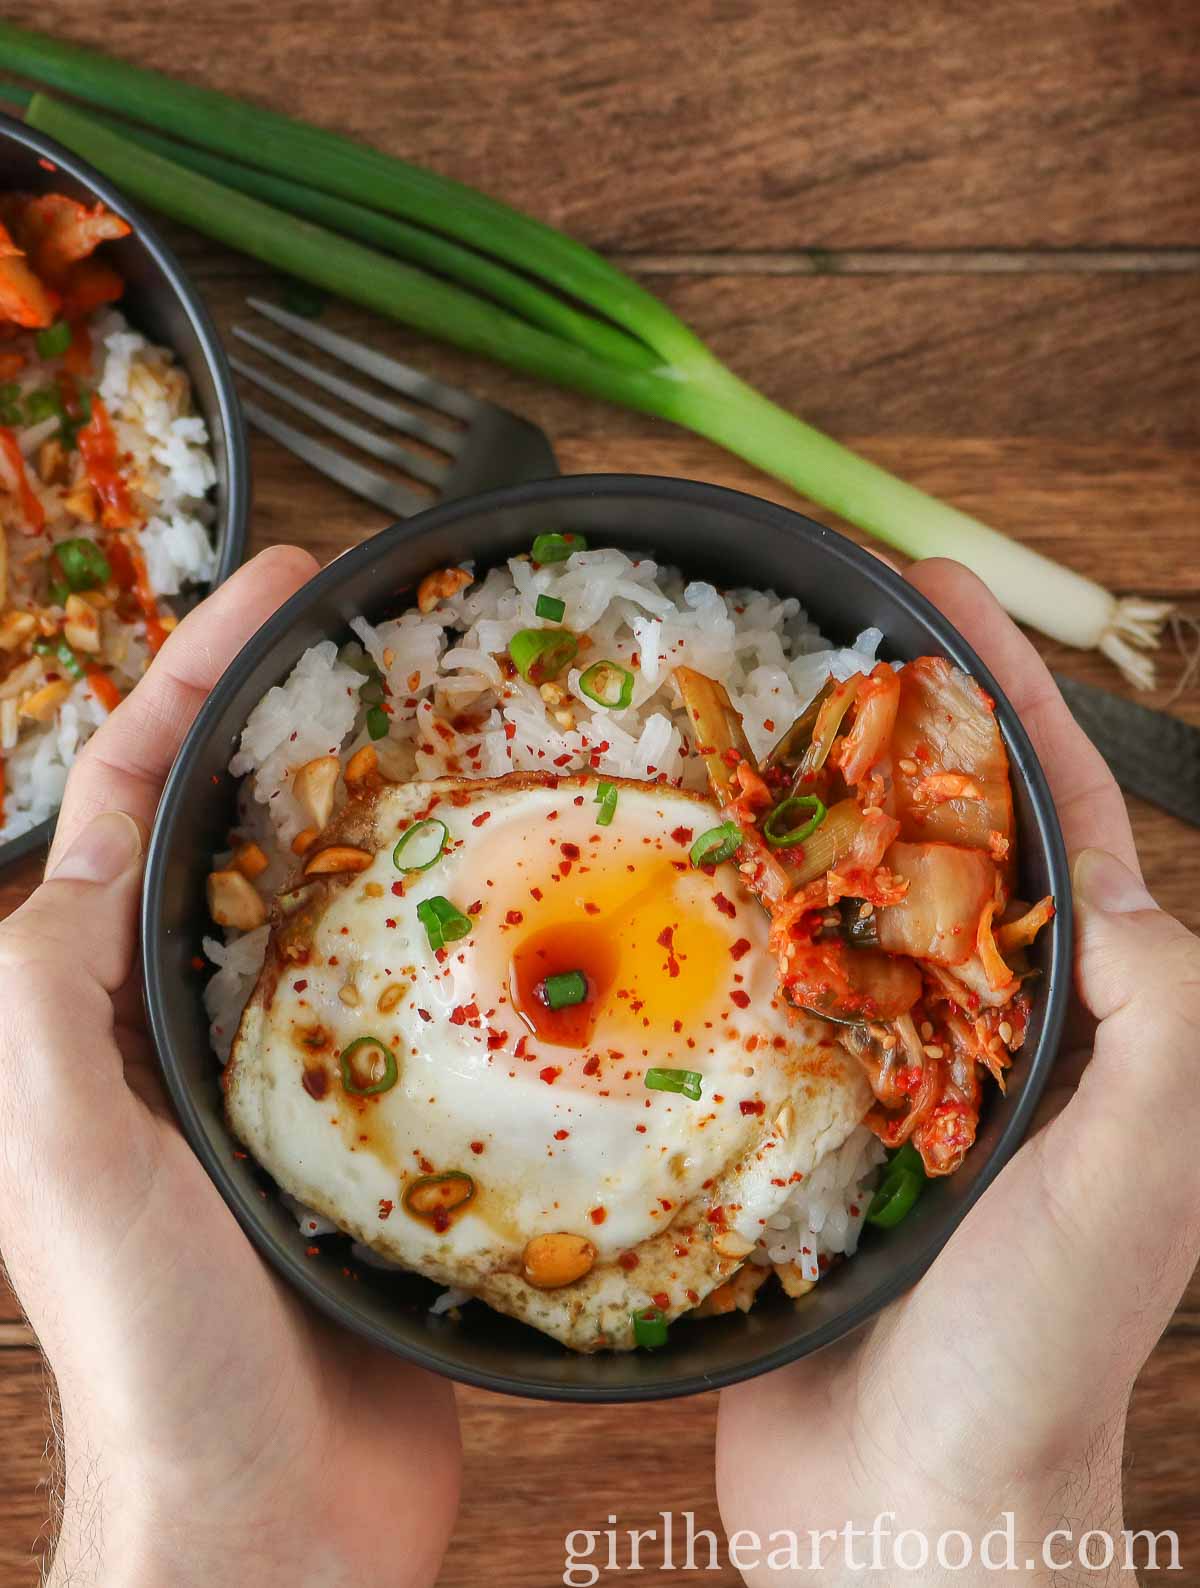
x,y
1001,1382
217,1431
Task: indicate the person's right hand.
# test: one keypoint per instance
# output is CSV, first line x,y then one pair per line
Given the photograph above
x,y
1001,1382
218,1432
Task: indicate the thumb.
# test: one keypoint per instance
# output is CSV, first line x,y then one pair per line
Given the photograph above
x,y
82,921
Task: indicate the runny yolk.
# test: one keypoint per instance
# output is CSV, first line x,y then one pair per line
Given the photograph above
x,y
649,943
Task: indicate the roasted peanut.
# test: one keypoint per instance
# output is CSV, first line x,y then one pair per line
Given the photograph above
x,y
232,901
250,860
390,997
82,627
80,501
728,1243
314,785
338,857
304,840
52,462
551,1261
361,766
437,586
15,629
792,1280
44,702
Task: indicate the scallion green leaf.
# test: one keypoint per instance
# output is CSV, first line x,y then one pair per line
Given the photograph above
x,y
540,655
551,607
84,565
649,1328
443,922
783,837
716,845
564,990
667,1080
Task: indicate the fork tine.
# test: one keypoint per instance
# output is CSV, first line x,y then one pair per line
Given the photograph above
x,y
388,371
388,413
362,481
420,467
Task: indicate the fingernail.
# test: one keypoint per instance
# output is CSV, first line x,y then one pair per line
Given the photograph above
x,y
1106,883
106,848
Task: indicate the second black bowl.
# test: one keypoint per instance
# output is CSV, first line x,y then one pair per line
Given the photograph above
x,y
713,534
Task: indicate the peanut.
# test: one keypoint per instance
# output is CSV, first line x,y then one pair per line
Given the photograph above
x,y
232,901
338,857
250,860
361,765
551,1261
314,785
437,586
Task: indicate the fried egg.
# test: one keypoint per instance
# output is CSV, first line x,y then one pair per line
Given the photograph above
x,y
423,1091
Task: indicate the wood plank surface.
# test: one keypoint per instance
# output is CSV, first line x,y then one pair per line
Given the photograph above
x,y
964,239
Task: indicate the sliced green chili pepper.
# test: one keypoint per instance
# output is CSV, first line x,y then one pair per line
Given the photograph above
x,y
360,1060
566,989
434,1195
649,1328
443,922
894,1200
84,566
540,655
786,809
549,607
717,844
686,1081
54,341
556,548
606,798
608,685
421,845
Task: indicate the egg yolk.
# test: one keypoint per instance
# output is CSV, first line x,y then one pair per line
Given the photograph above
x,y
640,939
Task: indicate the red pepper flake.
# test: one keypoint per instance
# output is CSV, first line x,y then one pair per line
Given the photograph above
x,y
424,1014
682,835
495,1039
198,962
474,909
570,851
312,1251
598,1215
536,893
478,821
592,1067
514,917
641,1129
398,889
590,908
390,922
561,1135
693,1296
441,1220
628,1261
519,1050
752,1105
550,1074
510,730
661,1300
726,906
240,1155
299,986
578,800
476,1147
731,757
740,998
458,1016
740,949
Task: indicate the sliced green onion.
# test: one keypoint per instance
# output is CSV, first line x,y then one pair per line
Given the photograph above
x,y
421,845
297,297
894,1199
606,798
608,685
54,341
371,693
785,811
377,722
556,548
549,607
42,404
563,991
717,844
62,653
84,566
443,922
540,655
630,350
379,1074
649,1328
686,1081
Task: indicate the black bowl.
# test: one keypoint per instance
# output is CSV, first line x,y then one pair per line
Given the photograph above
x,y
162,303
712,533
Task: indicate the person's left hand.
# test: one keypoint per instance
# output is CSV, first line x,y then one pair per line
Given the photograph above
x,y
216,1430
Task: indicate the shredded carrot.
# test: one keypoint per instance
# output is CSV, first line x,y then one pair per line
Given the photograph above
x,y
105,691
98,448
31,508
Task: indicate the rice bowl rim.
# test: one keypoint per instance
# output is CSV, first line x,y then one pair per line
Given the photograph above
x,y
319,611
230,528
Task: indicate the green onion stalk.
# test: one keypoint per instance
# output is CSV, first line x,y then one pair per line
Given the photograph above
x,y
457,265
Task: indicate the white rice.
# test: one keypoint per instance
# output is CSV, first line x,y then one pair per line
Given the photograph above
x,y
769,656
170,472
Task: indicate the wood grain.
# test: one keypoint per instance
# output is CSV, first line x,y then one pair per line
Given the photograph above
x,y
963,239
726,125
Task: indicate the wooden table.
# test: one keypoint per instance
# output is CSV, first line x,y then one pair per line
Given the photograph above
x,y
961,238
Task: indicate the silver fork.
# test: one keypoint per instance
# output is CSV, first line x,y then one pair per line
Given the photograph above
x,y
481,447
